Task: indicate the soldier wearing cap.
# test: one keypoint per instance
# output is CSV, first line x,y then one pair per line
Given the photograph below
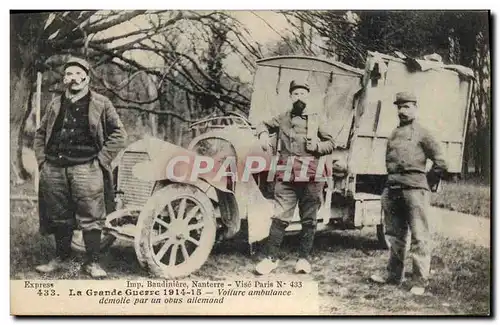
x,y
292,128
406,198
79,136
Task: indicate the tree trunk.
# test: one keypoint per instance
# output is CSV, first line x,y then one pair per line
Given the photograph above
x,y
21,109
486,93
486,161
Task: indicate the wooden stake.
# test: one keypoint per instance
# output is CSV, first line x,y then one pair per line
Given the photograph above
x,y
38,103
38,98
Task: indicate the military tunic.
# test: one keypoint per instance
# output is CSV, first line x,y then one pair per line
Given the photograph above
x,y
406,198
288,192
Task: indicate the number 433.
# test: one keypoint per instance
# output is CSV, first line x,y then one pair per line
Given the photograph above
x,y
46,292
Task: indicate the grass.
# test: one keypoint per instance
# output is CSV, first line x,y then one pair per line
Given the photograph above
x,y
463,273
342,263
466,196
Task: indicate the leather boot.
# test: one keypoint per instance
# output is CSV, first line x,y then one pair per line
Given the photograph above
x,y
306,240
63,243
92,240
276,235
62,237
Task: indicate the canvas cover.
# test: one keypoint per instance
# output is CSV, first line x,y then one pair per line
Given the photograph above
x,y
443,94
333,87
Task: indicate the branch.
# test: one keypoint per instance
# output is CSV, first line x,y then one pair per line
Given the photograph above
x,y
317,21
197,68
272,28
296,37
127,81
86,15
163,26
241,105
249,47
249,64
114,38
120,19
116,54
65,28
114,92
222,97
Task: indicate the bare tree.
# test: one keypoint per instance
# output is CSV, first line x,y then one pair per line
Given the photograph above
x,y
190,63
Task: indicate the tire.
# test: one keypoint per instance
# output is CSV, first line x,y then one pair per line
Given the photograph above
x,y
175,247
78,245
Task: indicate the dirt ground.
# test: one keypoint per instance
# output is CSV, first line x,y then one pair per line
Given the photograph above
x,y
343,262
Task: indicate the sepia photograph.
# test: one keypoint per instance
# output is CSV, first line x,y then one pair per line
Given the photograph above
x,y
251,162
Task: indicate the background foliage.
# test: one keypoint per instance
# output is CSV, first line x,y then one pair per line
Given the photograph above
x,y
175,63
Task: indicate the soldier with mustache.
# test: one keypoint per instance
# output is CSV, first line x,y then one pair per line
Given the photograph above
x,y
294,128
79,136
406,197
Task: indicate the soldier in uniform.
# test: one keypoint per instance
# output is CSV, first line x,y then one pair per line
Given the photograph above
x,y
79,136
406,197
293,127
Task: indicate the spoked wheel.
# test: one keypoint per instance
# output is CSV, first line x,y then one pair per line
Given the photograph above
x,y
177,231
78,245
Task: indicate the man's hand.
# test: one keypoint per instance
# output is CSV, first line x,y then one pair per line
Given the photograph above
x,y
265,142
434,180
312,145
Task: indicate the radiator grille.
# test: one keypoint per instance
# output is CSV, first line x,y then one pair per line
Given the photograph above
x,y
136,191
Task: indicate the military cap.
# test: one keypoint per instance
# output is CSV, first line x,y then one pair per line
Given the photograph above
x,y
405,97
294,85
74,61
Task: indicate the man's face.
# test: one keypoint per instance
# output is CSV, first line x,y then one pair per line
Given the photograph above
x,y
75,78
299,93
407,111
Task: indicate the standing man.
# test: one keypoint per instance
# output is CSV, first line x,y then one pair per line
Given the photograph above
x,y
406,198
79,136
300,137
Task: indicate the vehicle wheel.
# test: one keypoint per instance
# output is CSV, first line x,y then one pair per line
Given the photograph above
x,y
78,245
176,231
382,238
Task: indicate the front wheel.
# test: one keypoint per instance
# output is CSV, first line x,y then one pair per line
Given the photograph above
x,y
176,231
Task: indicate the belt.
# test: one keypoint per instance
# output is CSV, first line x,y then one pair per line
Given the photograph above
x,y
65,162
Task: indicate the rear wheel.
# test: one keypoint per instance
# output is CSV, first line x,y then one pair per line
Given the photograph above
x,y
177,230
